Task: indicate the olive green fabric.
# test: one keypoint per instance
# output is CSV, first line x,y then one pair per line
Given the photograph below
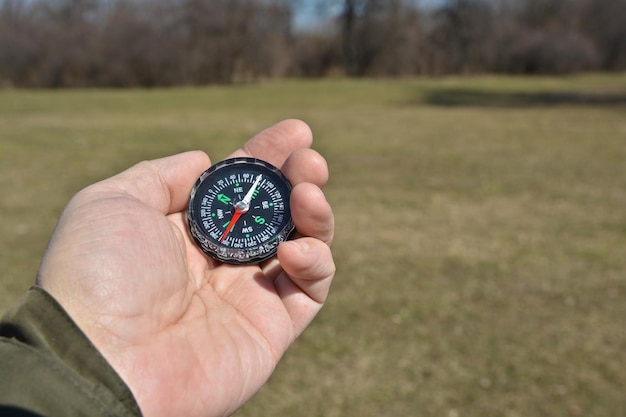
x,y
49,367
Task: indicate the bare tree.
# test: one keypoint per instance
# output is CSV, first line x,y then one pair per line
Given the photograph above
x,y
60,43
462,37
543,37
602,21
18,53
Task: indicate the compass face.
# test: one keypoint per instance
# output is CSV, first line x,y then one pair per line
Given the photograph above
x,y
239,210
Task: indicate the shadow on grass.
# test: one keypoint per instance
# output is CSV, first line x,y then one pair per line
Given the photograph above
x,y
468,97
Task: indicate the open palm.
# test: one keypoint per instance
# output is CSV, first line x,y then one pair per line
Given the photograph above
x,y
189,335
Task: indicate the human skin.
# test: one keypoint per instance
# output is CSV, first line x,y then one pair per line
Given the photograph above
x,y
189,335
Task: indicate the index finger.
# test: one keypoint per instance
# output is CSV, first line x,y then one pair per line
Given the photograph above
x,y
163,184
276,143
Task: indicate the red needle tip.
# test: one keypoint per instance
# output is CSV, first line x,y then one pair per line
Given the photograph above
x,y
231,224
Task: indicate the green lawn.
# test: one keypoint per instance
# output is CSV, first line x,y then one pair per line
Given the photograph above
x,y
481,230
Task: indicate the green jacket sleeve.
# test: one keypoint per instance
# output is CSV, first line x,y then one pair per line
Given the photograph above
x,y
50,368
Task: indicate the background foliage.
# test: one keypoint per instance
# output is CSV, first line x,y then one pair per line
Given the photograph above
x,y
480,230
60,43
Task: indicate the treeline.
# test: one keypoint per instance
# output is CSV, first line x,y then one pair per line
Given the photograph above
x,y
72,43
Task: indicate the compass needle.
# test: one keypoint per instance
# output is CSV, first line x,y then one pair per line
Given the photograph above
x,y
250,234
231,224
252,189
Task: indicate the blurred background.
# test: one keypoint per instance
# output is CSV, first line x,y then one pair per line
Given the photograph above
x,y
476,150
72,43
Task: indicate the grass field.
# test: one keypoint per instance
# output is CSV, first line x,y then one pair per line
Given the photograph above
x,y
480,243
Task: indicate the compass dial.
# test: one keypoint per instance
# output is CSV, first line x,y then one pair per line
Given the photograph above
x,y
239,210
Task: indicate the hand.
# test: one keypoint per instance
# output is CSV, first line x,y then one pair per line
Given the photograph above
x,y
190,336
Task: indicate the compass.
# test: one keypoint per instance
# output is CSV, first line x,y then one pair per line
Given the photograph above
x,y
239,210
